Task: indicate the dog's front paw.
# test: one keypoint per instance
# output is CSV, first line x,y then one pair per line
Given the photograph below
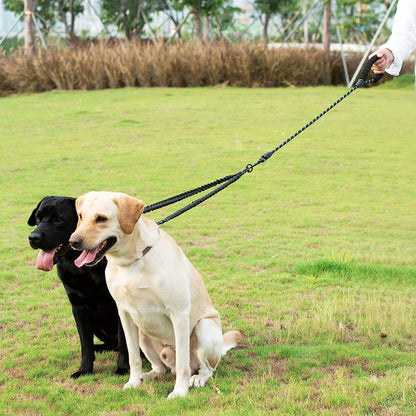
x,y
80,373
198,380
178,393
132,384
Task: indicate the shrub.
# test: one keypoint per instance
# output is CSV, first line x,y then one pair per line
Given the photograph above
x,y
119,63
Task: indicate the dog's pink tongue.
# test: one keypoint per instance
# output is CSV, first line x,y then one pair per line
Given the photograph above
x,y
45,260
87,256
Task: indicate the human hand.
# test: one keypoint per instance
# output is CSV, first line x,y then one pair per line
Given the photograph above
x,y
385,59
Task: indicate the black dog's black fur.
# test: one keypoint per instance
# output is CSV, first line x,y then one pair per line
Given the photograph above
x,y
94,309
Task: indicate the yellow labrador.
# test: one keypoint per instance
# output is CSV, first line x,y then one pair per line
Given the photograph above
x,y
164,307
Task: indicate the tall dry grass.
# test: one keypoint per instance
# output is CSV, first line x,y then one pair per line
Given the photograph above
x,y
125,64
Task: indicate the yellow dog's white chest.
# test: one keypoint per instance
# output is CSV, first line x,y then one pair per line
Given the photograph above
x,y
135,294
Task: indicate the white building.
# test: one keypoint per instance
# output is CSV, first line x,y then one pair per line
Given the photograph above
x,y
89,23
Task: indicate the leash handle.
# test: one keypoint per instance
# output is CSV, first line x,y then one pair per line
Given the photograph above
x,y
365,72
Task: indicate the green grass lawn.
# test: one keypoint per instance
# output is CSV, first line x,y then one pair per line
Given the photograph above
x,y
312,256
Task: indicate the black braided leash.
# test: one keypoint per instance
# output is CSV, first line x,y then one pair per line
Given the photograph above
x,y
230,179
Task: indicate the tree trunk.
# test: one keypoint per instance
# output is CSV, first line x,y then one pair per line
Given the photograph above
x,y
266,28
326,36
198,24
29,29
326,76
305,27
72,14
207,30
125,18
62,15
127,32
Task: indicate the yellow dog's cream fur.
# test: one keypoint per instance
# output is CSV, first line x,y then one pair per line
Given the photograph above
x,y
164,307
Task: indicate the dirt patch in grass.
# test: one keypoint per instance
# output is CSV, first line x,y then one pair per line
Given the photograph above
x,y
361,365
273,365
16,373
137,409
250,365
278,366
78,386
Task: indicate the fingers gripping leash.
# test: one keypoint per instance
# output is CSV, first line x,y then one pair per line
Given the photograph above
x,y
366,70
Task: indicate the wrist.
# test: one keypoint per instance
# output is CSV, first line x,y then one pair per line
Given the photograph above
x,y
389,56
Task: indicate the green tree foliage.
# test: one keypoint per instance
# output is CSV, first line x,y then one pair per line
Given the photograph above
x,y
224,21
201,9
360,19
72,8
270,8
130,16
50,12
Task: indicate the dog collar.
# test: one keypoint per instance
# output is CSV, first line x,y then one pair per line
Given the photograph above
x,y
146,250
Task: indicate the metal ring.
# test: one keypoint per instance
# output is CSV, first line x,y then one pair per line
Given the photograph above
x,y
249,168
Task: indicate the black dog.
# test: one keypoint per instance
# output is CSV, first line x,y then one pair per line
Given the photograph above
x,y
94,309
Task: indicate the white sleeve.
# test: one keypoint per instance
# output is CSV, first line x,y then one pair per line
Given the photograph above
x,y
402,41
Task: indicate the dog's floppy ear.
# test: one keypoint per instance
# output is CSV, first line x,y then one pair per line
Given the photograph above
x,y
32,219
129,211
78,203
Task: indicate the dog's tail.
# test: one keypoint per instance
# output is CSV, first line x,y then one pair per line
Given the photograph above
x,y
230,340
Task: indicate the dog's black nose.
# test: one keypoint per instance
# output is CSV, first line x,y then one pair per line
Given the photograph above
x,y
75,242
35,237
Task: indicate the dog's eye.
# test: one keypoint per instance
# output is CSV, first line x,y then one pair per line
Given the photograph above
x,y
101,218
80,217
